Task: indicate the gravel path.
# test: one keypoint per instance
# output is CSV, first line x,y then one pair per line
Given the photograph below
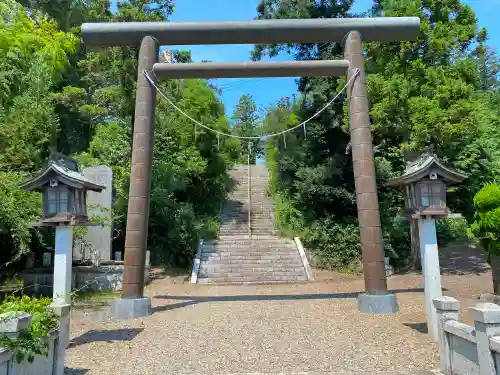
x,y
303,328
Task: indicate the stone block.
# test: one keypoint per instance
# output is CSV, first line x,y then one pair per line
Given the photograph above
x,y
61,309
98,204
11,323
446,303
47,259
378,303
486,313
130,308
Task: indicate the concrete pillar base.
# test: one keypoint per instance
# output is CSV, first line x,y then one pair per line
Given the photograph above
x,y
130,308
378,303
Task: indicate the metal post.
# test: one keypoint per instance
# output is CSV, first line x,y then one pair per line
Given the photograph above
x,y
249,193
376,299
133,304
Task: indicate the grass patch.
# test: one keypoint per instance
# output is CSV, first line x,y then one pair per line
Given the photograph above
x,y
95,298
95,295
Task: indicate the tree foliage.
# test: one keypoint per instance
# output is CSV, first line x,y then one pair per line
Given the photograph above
x,y
440,91
434,92
56,95
246,123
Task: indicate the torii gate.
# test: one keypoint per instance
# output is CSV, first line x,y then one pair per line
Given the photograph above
x,y
149,35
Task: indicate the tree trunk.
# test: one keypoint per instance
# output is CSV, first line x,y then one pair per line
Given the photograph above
x,y
495,272
415,261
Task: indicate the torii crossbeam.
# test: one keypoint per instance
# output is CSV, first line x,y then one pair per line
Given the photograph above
x,y
149,35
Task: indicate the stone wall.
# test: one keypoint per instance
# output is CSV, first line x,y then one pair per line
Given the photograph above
x,y
38,282
103,278
40,366
467,350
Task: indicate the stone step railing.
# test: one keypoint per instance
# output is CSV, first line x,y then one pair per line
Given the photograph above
x,y
464,349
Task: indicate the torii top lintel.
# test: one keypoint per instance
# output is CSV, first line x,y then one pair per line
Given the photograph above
x,y
388,29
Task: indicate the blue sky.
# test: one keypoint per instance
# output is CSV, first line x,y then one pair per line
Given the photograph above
x,y
267,91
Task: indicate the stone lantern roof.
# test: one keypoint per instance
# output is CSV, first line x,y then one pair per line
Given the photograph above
x,y
419,169
65,169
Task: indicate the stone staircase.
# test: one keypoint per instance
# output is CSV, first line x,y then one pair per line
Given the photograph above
x,y
254,255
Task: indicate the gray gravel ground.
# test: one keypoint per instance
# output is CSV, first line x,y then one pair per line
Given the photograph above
x,y
303,328
312,328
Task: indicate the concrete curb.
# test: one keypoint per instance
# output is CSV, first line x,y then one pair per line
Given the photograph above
x,y
305,262
196,264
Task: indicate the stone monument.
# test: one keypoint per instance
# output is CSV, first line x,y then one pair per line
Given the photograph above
x,y
97,240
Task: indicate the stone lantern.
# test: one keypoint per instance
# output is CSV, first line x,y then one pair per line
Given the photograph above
x,y
64,195
424,181
64,191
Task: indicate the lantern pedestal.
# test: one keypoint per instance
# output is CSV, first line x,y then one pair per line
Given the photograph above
x,y
430,270
62,290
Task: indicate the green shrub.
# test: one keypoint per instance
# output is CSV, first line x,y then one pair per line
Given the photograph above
x,y
486,225
397,241
287,219
452,231
487,198
209,228
34,339
335,243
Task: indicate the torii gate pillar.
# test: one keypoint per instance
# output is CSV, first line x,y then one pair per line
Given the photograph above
x,y
376,298
133,303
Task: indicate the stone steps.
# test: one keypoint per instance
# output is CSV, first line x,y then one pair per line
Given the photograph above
x,y
257,276
249,258
251,279
243,249
244,230
253,252
238,258
238,228
251,245
225,268
255,215
241,220
235,246
256,225
216,271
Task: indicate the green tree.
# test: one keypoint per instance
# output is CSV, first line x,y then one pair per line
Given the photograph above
x,y
489,68
422,93
246,123
33,58
189,164
57,96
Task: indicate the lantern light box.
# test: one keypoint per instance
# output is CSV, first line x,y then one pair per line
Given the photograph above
x,y
424,181
64,191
